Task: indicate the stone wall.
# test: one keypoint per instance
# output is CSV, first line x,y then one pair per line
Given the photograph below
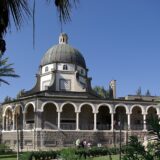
x,y
43,140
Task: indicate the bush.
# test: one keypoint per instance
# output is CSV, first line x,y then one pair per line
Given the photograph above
x,y
26,156
97,151
42,155
4,149
69,154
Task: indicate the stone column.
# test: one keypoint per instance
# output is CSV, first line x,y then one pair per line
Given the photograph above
x,y
77,121
144,122
39,120
59,118
95,121
7,122
13,127
24,120
3,123
112,121
129,121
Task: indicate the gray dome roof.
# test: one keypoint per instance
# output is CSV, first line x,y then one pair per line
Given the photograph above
x,y
63,53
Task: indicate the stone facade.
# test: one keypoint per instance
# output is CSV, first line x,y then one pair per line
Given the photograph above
x,y
54,121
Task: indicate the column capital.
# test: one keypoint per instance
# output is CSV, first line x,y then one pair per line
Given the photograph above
x,y
39,110
77,112
95,112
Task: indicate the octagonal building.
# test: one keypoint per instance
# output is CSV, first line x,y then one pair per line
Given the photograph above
x,y
62,107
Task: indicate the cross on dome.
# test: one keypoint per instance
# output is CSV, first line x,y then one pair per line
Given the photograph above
x,y
63,38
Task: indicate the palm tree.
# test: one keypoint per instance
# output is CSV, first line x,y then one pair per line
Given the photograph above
x,y
6,70
19,9
15,8
64,8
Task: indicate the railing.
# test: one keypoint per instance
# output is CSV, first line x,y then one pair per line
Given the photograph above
x,y
49,125
86,127
137,127
122,127
9,127
103,126
29,126
70,126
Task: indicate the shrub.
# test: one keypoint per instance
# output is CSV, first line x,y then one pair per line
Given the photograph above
x,y
26,156
69,154
4,149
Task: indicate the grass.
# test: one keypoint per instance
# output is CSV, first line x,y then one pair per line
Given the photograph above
x,y
8,157
14,157
114,157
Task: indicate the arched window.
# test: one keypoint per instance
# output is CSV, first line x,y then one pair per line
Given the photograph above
x,y
46,69
65,67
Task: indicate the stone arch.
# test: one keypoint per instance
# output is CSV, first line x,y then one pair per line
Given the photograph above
x,y
120,116
18,116
86,116
50,115
8,107
137,117
29,114
71,103
16,106
51,102
152,106
104,117
107,105
29,103
122,105
137,105
89,104
8,118
151,111
68,116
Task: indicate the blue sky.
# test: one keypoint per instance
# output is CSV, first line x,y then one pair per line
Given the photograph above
x,y
120,39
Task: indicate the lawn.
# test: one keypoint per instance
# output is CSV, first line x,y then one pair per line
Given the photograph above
x,y
14,157
114,157
8,157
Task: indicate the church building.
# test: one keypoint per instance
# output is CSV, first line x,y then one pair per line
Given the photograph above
x,y
62,107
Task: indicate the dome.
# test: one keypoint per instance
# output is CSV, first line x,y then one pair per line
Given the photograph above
x,y
63,53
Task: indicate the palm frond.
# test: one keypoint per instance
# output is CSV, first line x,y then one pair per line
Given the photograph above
x,y
6,70
64,8
2,80
18,9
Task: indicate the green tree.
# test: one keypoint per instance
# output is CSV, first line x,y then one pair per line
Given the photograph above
x,y
154,123
148,93
101,91
136,151
19,94
7,99
6,70
139,92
